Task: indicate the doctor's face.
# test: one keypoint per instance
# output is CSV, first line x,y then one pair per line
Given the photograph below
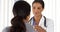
x,y
37,9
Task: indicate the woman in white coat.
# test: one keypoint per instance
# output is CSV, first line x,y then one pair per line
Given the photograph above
x,y
40,22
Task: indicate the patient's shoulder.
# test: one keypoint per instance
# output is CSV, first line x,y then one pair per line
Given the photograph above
x,y
29,28
6,29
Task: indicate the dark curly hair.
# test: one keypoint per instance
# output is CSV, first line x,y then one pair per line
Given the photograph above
x,y
21,10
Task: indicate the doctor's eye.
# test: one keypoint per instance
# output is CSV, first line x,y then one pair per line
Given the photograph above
x,y
33,7
38,8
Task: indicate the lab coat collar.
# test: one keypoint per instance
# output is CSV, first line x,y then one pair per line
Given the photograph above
x,y
41,22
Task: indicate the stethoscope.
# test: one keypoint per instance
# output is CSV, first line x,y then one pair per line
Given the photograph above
x,y
44,21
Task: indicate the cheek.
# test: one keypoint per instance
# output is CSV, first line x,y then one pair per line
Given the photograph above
x,y
40,10
33,10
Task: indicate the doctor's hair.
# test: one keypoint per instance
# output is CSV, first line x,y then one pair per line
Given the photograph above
x,y
21,10
39,1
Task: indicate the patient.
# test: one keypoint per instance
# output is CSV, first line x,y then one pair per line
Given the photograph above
x,y
21,11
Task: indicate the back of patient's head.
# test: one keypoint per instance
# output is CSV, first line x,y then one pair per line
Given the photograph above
x,y
21,10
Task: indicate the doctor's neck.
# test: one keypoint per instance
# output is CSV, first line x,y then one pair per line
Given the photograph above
x,y
37,18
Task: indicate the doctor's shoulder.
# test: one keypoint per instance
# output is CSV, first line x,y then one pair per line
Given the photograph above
x,y
50,25
49,22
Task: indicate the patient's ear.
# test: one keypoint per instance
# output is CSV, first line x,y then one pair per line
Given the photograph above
x,y
28,17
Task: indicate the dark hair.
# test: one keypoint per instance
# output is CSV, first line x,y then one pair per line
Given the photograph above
x,y
21,10
39,1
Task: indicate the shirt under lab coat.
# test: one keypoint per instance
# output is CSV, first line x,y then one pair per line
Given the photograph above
x,y
49,24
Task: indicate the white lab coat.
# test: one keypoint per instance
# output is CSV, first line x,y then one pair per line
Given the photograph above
x,y
49,24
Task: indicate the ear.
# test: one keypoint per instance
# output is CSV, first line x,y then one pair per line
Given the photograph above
x,y
28,17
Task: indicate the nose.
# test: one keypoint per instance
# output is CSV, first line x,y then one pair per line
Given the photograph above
x,y
36,10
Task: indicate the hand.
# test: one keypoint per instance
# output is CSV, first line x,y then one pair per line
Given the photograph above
x,y
39,28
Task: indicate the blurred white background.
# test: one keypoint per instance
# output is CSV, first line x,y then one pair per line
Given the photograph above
x,y
51,11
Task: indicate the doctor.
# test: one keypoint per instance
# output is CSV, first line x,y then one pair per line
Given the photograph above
x,y
40,22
